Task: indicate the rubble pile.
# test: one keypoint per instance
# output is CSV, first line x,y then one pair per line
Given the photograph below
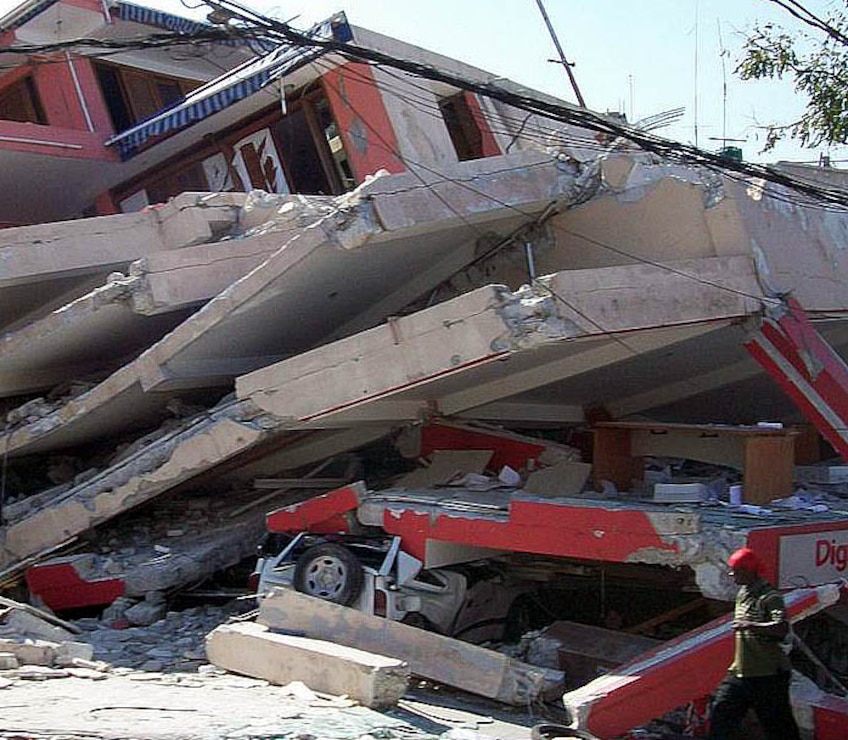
x,y
34,646
64,472
181,542
174,643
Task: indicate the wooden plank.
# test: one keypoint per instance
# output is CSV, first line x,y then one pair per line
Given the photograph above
x,y
769,464
666,616
275,483
612,459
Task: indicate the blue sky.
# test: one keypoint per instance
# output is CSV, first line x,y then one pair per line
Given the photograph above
x,y
636,56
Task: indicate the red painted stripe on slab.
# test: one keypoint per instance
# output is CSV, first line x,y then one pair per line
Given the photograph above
x,y
534,527
316,514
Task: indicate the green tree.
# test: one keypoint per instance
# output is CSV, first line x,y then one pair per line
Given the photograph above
x,y
815,59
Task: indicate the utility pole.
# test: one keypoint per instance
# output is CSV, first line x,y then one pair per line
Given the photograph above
x,y
565,63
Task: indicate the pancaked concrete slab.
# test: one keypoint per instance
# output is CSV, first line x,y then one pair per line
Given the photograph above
x,y
339,266
260,652
182,542
164,464
61,258
176,457
105,328
91,335
430,655
453,356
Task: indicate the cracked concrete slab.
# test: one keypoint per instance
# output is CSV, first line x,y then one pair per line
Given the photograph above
x,y
492,344
105,328
63,258
337,268
173,459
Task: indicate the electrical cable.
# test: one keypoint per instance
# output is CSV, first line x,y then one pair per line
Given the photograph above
x,y
803,14
581,117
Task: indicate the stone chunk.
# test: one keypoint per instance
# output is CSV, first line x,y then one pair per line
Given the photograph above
x,y
255,650
31,652
69,652
8,660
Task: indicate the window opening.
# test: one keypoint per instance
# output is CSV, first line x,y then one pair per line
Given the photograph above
x,y
312,148
133,95
20,102
463,129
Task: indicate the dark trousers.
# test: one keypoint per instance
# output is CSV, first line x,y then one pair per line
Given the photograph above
x,y
768,696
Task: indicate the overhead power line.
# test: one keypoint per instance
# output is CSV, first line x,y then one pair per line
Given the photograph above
x,y
251,25
805,15
581,117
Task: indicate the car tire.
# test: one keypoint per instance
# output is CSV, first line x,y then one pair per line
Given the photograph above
x,y
330,572
547,731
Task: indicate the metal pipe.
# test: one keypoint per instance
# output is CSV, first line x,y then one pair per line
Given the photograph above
x,y
78,88
40,142
565,63
531,263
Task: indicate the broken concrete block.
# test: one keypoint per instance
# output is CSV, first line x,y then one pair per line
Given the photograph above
x,y
8,660
821,473
147,612
680,492
565,478
87,673
116,611
430,655
445,466
69,652
254,650
31,652
39,673
73,661
21,623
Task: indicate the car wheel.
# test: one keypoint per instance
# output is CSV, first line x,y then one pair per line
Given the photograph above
x,y
552,732
330,572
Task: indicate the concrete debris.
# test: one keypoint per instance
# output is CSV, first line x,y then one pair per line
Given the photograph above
x,y
430,655
128,556
278,657
28,640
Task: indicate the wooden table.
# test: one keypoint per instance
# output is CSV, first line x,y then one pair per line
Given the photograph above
x,y
765,455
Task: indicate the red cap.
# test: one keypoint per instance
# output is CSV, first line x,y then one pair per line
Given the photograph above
x,y
746,559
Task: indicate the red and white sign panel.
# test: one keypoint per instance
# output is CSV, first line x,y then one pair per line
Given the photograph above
x,y
813,559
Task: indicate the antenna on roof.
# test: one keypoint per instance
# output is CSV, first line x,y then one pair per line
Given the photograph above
x,y
562,60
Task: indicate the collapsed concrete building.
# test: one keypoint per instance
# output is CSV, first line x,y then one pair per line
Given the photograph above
x,y
406,267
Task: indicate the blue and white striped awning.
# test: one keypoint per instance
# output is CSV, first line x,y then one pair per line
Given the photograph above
x,y
23,13
150,17
232,86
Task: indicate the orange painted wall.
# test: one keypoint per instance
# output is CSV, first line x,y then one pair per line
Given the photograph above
x,y
357,106
66,123
93,97
58,95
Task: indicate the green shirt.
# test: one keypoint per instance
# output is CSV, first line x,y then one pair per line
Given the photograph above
x,y
759,655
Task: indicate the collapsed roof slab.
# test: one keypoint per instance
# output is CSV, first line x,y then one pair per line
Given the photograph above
x,y
159,467
51,259
84,339
111,324
235,438
391,232
338,267
491,344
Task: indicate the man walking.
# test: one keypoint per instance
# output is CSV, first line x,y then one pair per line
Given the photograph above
x,y
759,676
